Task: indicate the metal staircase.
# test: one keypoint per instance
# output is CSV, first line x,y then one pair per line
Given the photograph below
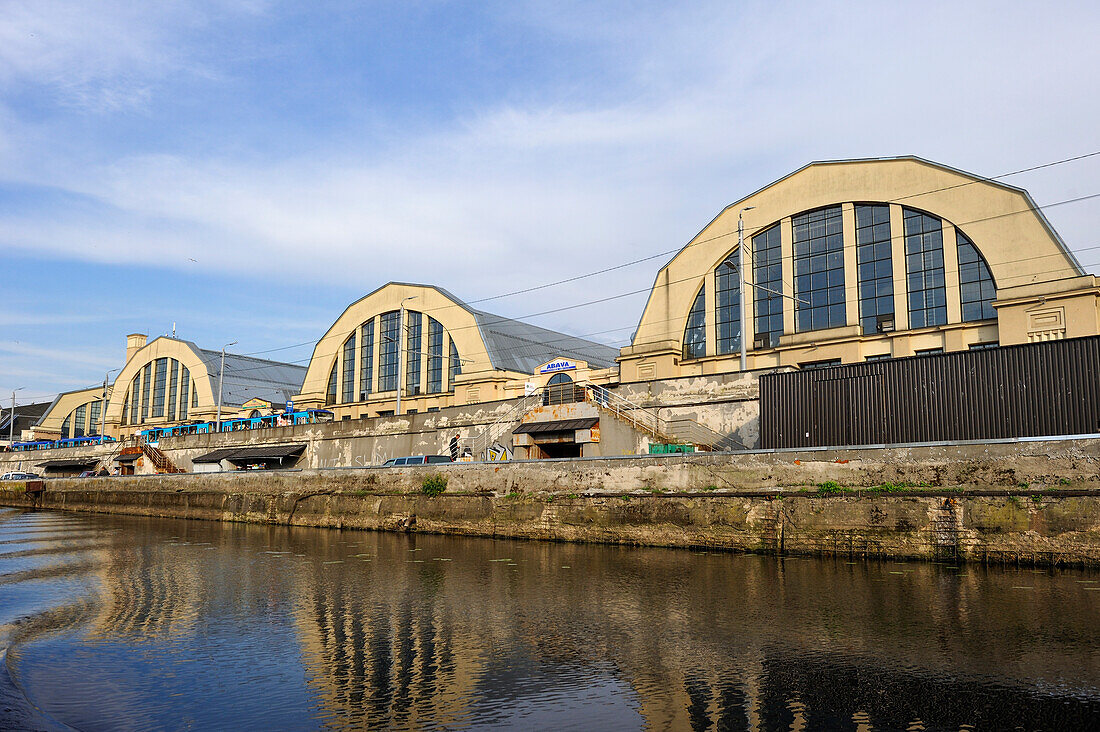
x,y
479,444
638,417
641,419
160,460
679,430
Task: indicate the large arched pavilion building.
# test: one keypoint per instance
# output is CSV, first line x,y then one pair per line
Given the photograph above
x,y
448,353
858,260
168,381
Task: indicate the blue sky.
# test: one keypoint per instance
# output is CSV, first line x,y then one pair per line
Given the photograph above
x,y
247,169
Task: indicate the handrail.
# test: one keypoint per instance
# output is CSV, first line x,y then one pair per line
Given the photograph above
x,y
627,410
481,442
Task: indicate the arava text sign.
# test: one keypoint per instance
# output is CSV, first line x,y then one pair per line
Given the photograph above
x,y
560,365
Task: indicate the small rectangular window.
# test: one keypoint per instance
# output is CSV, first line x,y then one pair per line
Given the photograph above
x,y
823,364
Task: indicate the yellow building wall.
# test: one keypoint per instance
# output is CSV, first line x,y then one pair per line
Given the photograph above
x,y
162,347
1019,247
49,427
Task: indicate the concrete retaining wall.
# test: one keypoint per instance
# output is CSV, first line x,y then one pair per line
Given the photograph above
x,y
1026,502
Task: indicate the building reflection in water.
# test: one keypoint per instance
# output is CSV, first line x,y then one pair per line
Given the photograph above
x,y
408,631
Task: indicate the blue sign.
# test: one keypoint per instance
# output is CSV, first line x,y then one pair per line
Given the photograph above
x,y
559,365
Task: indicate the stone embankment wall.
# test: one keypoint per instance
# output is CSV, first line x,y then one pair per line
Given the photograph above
x,y
1034,502
724,402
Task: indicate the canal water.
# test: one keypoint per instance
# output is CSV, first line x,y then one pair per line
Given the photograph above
x,y
120,623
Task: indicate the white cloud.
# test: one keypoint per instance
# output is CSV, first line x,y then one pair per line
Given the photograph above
x,y
690,110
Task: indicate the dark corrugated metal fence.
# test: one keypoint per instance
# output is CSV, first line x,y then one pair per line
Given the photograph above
x,y
1029,390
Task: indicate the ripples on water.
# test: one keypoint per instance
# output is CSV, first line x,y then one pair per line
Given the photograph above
x,y
128,623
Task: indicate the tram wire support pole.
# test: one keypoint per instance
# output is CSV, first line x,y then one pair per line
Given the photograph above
x,y
741,282
400,353
11,424
221,380
103,407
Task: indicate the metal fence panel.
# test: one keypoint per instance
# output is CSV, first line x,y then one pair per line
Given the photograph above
x,y
1028,390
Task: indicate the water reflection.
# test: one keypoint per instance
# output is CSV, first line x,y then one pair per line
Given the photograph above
x,y
213,626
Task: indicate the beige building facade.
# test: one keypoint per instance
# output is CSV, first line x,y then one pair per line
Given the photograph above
x,y
168,381
437,351
856,260
845,261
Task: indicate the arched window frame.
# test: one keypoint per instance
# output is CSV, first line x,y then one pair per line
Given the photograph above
x,y
767,277
330,393
348,391
977,288
695,327
727,305
817,238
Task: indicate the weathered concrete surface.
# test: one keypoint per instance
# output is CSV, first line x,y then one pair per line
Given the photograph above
x,y
1027,502
724,403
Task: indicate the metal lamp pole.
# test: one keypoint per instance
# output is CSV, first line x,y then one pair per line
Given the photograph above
x,y
11,425
103,408
400,353
741,282
221,379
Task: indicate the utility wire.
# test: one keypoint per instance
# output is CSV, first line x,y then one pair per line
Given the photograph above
x,y
749,232
610,298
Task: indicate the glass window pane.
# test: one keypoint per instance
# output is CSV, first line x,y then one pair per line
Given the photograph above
x,y
819,243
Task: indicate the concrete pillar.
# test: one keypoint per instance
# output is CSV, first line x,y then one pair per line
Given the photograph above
x,y
897,250
851,276
786,250
951,273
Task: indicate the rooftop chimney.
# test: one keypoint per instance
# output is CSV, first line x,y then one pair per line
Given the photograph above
x,y
134,343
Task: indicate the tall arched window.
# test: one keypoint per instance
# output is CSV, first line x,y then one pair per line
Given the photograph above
x,y
976,288
413,351
79,416
330,396
435,356
875,267
455,367
366,370
924,269
727,289
185,390
93,417
135,387
767,275
348,392
146,389
173,387
695,332
818,269
387,352
160,378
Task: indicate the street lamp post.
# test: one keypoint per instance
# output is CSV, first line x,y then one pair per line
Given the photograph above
x,y
400,352
741,282
11,424
103,407
221,379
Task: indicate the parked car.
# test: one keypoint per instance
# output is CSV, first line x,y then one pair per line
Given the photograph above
x,y
417,460
17,475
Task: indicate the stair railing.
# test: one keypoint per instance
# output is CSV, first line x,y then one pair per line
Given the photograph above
x,y
480,443
642,419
